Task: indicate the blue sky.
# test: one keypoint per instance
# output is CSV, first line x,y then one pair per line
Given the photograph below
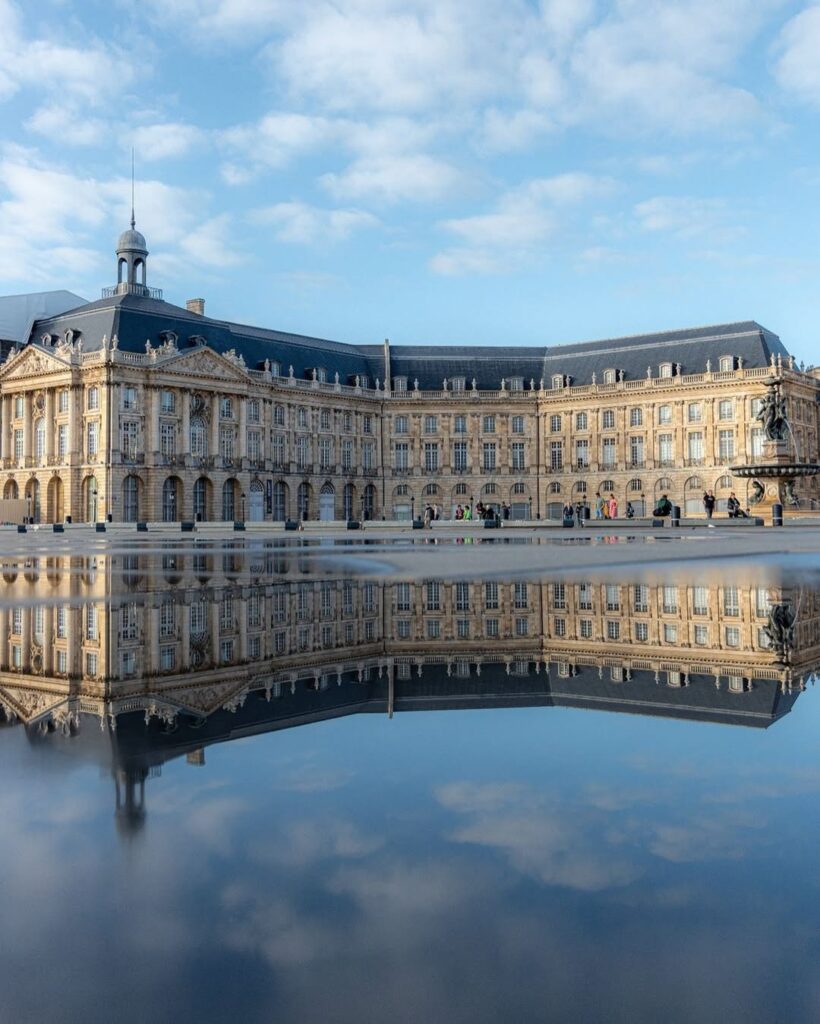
x,y
493,172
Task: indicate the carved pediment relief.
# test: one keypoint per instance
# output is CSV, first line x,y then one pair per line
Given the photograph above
x,y
27,704
206,363
209,697
31,362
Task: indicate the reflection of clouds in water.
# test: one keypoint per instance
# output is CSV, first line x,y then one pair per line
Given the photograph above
x,y
308,840
541,835
707,837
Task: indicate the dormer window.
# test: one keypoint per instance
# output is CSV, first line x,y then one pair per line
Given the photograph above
x,y
459,383
665,370
400,384
516,383
276,369
557,381
726,363
609,376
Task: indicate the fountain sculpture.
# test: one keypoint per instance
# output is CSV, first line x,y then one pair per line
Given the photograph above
x,y
774,476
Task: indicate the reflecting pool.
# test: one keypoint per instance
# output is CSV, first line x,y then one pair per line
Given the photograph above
x,y
250,781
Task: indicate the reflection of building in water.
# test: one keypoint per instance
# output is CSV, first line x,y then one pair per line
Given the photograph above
x,y
172,652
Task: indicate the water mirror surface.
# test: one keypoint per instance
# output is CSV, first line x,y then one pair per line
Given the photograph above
x,y
274,782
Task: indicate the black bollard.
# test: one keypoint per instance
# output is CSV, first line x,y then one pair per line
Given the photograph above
x,y
676,515
777,514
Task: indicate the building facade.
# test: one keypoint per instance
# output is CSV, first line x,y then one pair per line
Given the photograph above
x,y
132,409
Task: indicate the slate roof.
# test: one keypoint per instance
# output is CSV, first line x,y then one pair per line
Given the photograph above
x,y
135,318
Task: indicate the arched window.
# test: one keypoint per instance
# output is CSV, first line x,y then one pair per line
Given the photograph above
x,y
635,485
461,488
229,500
130,499
280,500
349,500
431,489
201,498
664,484
303,501
199,438
694,483
489,489
519,488
402,490
724,483
555,488
369,502
279,415
607,486
171,500
580,487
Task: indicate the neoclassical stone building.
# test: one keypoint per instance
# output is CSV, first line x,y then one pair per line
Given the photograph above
x,y
135,409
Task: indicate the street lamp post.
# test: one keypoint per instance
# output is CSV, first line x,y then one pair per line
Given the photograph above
x,y
412,507
242,496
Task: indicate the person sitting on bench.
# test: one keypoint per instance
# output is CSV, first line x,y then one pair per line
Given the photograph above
x,y
663,508
734,509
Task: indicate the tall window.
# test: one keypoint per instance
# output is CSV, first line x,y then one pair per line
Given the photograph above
x,y
666,452
581,421
325,452
199,438
93,398
517,452
167,402
460,424
517,425
459,456
226,442
400,425
582,453
608,451
636,451
168,438
694,412
254,411
430,424
489,425
92,438
726,409
556,455
254,445
555,423
129,433
368,455
40,438
695,442
664,414
726,444
636,417
430,456
347,453
608,419
62,401
226,408
62,440
489,454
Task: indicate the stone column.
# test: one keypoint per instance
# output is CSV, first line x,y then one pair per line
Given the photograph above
x,y
50,426
28,439
214,445
243,428
152,419
185,440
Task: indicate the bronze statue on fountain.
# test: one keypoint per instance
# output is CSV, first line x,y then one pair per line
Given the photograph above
x,y
781,463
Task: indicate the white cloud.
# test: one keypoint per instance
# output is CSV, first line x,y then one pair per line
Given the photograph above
x,y
60,122
164,141
305,225
504,131
685,216
522,219
274,140
418,178
798,66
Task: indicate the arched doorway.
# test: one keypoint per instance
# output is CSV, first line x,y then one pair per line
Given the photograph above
x,y
90,502
33,500
327,502
280,501
55,498
256,504
11,490
303,501
693,496
349,502
202,498
369,502
229,500
171,499
131,486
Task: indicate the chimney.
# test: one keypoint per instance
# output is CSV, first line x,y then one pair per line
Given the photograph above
x,y
196,306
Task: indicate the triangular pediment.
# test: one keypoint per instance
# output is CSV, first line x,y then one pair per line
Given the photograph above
x,y
29,704
208,697
204,362
32,361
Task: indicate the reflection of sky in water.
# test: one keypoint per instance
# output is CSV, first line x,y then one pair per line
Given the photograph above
x,y
534,864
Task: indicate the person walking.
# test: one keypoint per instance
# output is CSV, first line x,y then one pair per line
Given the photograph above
x,y
630,511
599,506
613,507
709,503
